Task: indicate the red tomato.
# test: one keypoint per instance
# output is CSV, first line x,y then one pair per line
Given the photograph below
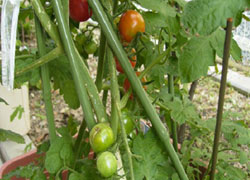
x,y
130,24
126,84
132,62
79,10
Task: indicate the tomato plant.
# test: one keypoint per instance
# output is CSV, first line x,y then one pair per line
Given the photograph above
x,y
90,47
130,24
101,137
79,10
106,164
132,62
127,121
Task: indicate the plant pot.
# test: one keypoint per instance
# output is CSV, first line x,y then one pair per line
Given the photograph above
x,y
24,160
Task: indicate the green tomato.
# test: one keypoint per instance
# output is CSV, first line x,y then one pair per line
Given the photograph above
x,y
101,137
90,47
81,39
127,121
106,164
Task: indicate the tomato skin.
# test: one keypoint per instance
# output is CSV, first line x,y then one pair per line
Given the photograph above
x,y
106,164
101,137
127,121
130,24
90,47
79,10
132,62
126,84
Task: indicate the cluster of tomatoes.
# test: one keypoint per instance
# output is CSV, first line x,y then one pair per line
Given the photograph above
x,y
101,136
130,24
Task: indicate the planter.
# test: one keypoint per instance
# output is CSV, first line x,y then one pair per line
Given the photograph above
x,y
24,160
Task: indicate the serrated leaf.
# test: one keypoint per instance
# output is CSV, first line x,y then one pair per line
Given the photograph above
x,y
7,135
63,80
160,6
151,159
67,154
217,41
53,162
205,16
3,101
88,169
76,176
195,58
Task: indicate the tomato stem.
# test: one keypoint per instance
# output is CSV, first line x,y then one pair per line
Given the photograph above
x,y
85,86
101,59
45,81
117,48
115,94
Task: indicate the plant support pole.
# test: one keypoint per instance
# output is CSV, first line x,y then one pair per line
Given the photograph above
x,y
221,96
116,46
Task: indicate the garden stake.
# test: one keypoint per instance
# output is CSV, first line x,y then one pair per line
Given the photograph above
x,y
117,48
221,95
45,81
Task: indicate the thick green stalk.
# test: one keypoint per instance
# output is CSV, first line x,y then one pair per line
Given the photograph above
x,y
66,10
101,59
55,53
115,93
45,82
173,123
223,85
81,76
117,48
47,24
125,140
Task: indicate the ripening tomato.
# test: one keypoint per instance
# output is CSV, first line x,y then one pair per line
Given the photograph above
x,y
106,164
132,62
126,84
101,137
130,24
79,10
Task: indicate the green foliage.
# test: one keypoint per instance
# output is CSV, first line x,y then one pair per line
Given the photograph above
x,y
205,16
19,110
195,58
151,162
7,135
3,101
88,169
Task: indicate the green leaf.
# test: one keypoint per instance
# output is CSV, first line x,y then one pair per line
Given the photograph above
x,y
17,112
205,16
160,6
195,58
53,162
88,169
76,176
172,66
151,160
7,135
63,80
217,41
243,157
3,101
154,21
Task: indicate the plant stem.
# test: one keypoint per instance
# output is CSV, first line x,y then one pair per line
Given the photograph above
x,y
79,141
173,123
115,94
81,76
47,24
45,82
101,59
125,140
221,96
117,48
66,10
182,130
55,53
